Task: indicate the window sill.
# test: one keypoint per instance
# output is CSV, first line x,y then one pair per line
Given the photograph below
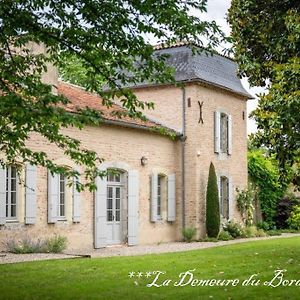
x,y
12,221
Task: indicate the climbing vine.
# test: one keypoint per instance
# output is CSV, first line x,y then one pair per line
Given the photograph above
x,y
264,174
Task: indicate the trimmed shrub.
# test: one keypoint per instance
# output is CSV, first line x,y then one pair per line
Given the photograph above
x,y
212,204
294,220
234,229
57,244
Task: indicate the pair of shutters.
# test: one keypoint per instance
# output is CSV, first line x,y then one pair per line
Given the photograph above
x,y
230,195
30,195
101,208
53,199
218,133
171,201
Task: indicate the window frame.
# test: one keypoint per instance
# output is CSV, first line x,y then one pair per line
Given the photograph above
x,y
224,145
221,189
8,191
64,193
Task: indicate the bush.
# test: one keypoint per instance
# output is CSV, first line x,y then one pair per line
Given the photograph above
x,y
234,229
245,204
273,232
188,233
294,220
224,236
212,204
56,244
25,245
284,209
263,225
261,233
251,231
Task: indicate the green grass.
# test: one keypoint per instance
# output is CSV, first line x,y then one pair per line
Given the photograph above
x,y
107,278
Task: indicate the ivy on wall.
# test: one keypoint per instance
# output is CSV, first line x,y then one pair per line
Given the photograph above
x,y
264,174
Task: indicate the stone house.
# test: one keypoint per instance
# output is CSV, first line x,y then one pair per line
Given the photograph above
x,y
159,184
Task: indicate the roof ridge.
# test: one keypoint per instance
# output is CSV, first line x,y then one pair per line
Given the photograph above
x,y
177,44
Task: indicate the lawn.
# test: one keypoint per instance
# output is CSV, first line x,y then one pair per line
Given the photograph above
x,y
107,278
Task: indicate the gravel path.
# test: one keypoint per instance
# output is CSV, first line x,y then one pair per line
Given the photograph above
x,y
6,258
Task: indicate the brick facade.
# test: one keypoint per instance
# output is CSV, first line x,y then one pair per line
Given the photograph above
x,y
122,145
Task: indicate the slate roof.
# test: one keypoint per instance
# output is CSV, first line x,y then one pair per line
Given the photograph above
x,y
215,69
80,98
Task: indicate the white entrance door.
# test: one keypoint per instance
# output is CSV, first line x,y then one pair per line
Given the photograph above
x,y
113,215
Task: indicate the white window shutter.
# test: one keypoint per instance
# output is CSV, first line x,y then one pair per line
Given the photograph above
x,y
171,198
153,204
100,212
30,194
230,198
2,195
76,202
217,131
133,207
53,197
229,138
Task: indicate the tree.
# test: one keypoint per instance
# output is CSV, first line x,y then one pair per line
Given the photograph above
x,y
212,204
109,39
266,36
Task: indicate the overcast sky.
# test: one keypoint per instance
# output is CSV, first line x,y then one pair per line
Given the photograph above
x,y
217,10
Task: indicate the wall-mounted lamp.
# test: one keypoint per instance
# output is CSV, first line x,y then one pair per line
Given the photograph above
x,y
144,161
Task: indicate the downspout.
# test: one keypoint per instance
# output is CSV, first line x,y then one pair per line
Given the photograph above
x,y
183,156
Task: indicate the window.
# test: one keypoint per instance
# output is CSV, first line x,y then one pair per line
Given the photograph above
x,y
114,185
223,133
11,192
162,197
62,196
159,196
224,197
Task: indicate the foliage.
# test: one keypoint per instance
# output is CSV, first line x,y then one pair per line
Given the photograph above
x,y
245,204
294,219
188,233
56,244
263,225
273,232
224,236
253,231
209,240
266,36
264,174
212,204
111,41
234,229
25,245
284,208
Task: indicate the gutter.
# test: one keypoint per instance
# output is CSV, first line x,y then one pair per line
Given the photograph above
x,y
138,126
183,138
